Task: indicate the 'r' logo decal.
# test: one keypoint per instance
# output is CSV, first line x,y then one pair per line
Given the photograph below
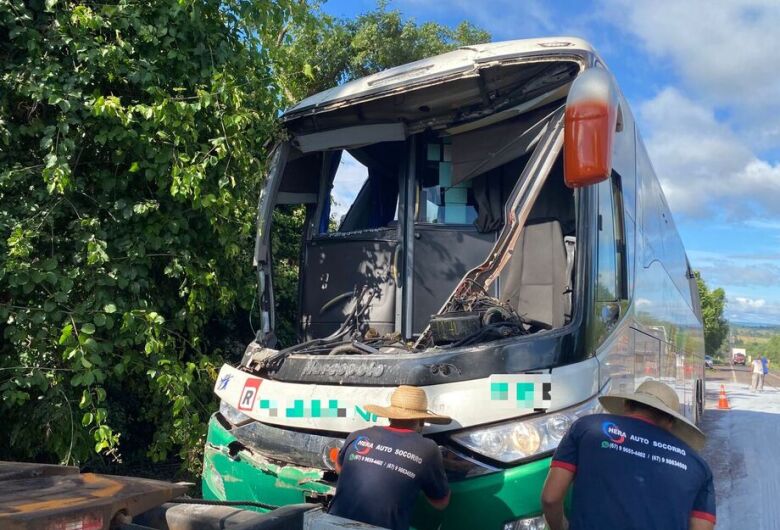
x,y
249,394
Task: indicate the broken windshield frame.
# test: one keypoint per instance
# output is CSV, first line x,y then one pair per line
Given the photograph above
x,y
265,208
545,135
406,230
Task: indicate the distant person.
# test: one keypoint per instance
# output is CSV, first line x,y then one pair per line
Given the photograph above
x,y
636,468
383,469
757,383
765,363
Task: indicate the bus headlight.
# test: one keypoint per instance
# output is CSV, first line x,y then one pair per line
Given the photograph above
x,y
520,439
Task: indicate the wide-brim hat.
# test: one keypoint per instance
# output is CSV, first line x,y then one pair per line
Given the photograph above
x,y
663,398
408,403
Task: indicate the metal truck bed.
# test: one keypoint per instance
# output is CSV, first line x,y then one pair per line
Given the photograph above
x,y
44,497
50,497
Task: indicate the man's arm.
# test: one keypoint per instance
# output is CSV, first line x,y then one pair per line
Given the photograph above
x,y
555,487
703,509
440,504
700,524
339,463
434,482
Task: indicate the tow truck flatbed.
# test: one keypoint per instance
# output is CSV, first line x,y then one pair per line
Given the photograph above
x,y
45,497
50,497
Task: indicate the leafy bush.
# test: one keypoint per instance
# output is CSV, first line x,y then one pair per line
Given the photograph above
x,y
132,146
716,327
132,138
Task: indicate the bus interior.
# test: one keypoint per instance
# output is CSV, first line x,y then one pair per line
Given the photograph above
x,y
406,219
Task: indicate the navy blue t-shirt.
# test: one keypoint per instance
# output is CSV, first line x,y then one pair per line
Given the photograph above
x,y
633,475
383,471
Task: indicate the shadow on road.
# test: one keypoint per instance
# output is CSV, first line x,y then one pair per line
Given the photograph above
x,y
741,447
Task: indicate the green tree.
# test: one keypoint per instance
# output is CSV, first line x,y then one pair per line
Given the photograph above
x,y
716,327
132,141
771,349
335,50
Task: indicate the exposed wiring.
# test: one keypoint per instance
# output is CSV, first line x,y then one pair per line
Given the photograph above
x,y
352,329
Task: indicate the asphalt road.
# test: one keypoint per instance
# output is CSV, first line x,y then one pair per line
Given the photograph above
x,y
729,373
742,449
735,374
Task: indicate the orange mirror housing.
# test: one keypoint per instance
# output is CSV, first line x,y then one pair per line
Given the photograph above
x,y
589,128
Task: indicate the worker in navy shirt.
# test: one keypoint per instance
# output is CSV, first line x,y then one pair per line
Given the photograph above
x,y
383,469
634,469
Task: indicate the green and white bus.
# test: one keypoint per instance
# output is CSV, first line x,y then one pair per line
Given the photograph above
x,y
485,224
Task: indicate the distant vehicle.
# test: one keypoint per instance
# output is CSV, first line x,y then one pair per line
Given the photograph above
x,y
738,356
708,362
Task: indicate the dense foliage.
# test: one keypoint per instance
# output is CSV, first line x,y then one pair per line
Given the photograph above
x,y
716,327
770,348
336,50
132,141
758,340
132,144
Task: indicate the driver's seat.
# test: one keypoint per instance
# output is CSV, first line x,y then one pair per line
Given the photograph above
x,y
534,280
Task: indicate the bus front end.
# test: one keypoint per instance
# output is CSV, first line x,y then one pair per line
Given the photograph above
x,y
471,224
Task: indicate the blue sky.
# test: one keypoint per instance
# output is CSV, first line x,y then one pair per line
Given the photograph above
x,y
703,80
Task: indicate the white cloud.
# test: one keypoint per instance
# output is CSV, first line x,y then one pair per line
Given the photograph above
x,y
753,310
734,273
749,279
704,166
748,303
350,177
643,302
724,50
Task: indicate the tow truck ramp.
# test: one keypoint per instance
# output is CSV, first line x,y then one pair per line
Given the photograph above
x,y
50,497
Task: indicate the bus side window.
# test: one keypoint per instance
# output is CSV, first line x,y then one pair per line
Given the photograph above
x,y
621,242
611,251
606,286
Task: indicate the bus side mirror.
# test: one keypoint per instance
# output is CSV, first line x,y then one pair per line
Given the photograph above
x,y
592,117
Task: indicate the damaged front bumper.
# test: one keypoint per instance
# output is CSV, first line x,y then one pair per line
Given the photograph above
x,y
488,501
234,472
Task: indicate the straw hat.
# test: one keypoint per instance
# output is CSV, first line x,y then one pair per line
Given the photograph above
x,y
408,403
661,397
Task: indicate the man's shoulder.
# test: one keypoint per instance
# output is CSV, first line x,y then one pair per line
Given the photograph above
x,y
368,431
419,443
429,444
699,460
592,421
604,423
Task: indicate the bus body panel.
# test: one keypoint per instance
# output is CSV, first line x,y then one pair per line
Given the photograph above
x,y
341,408
487,501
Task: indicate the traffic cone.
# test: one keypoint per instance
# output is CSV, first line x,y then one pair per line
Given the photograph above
x,y
723,402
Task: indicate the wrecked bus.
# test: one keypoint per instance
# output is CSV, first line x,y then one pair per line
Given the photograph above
x,y
510,250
